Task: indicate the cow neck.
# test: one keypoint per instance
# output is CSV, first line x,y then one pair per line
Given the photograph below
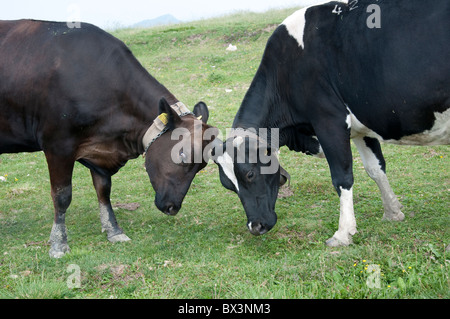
x,y
257,112
159,126
262,139
144,93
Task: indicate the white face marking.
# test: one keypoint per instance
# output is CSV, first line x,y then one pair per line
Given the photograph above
x,y
226,162
295,23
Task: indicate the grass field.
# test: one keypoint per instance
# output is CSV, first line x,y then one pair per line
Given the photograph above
x,y
206,250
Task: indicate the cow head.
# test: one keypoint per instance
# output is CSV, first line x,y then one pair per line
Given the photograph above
x,y
176,155
251,169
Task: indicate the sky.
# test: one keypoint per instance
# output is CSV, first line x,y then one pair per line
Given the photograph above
x,y
116,13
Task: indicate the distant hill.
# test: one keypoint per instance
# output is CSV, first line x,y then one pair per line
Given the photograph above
x,y
162,20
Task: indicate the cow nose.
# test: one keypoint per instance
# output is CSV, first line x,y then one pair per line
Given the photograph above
x,y
257,228
171,210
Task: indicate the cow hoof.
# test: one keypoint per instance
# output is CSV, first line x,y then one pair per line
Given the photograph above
x,y
119,238
335,242
58,250
396,217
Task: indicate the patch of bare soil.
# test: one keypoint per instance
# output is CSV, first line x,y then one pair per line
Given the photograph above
x,y
127,206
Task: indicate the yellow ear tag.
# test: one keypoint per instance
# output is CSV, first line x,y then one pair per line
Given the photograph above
x,y
164,118
200,117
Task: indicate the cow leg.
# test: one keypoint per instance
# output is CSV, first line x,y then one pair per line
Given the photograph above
x,y
335,142
375,166
108,220
60,170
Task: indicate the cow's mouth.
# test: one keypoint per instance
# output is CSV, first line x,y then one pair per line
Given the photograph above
x,y
167,207
171,210
257,228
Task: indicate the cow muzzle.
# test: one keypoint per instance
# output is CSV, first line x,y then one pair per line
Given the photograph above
x,y
171,210
166,205
258,228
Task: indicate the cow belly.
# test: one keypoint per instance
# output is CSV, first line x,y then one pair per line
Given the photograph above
x,y
439,134
16,141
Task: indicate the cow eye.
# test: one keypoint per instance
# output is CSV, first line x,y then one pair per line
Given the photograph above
x,y
250,175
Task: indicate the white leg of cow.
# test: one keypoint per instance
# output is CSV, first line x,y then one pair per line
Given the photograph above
x,y
374,165
335,141
108,220
58,238
347,221
60,169
109,224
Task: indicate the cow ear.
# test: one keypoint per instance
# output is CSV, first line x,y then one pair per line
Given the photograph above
x,y
172,117
201,111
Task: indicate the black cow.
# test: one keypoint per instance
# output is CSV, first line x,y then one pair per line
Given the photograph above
x,y
79,94
363,70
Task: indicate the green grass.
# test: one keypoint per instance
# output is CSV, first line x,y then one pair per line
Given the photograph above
x,y
206,251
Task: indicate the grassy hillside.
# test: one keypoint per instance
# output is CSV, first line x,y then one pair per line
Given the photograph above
x,y
206,250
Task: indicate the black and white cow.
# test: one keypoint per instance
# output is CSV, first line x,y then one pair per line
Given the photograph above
x,y
365,70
